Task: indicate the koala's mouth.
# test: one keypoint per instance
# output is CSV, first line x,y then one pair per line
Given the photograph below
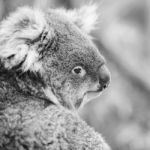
x,y
89,95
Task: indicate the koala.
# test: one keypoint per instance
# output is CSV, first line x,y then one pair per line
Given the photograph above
x,y
48,57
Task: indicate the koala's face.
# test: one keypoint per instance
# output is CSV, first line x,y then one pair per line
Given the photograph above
x,y
74,68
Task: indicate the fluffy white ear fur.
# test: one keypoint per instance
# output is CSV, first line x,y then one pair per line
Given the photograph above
x,y
23,25
85,18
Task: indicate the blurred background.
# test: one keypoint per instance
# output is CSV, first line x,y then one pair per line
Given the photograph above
x,y
122,112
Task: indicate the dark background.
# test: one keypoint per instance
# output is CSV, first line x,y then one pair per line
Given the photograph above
x,y
122,112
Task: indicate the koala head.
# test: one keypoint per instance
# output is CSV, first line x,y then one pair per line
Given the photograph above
x,y
56,45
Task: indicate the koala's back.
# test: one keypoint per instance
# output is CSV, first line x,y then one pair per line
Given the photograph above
x,y
29,125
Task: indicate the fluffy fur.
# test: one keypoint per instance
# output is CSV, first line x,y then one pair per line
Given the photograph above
x,y
27,126
85,18
29,24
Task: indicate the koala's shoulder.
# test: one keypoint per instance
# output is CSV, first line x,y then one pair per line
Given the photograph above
x,y
32,125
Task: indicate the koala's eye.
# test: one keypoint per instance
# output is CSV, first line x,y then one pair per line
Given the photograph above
x,y
78,70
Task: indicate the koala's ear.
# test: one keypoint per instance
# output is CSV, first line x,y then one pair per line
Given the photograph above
x,y
20,37
86,17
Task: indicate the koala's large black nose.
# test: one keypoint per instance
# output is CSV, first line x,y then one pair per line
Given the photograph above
x,y
104,77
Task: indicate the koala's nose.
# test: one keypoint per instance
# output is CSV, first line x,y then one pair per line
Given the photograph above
x,y
104,77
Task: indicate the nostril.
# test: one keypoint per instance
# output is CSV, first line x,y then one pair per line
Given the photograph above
x,y
105,86
102,86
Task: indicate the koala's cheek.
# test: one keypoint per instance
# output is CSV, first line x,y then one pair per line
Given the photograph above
x,y
69,95
65,94
72,93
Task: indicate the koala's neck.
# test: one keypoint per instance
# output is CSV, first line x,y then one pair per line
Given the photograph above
x,y
14,82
